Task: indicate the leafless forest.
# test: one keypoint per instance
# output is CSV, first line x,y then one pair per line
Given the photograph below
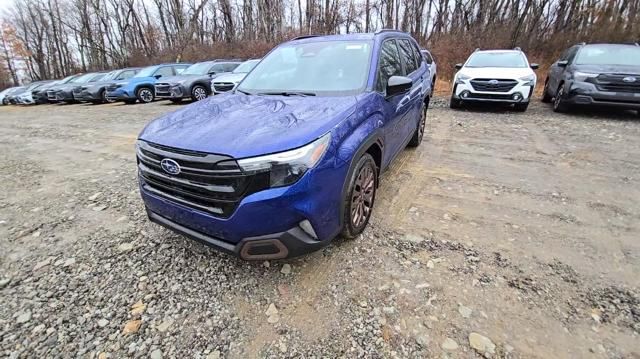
x,y
53,38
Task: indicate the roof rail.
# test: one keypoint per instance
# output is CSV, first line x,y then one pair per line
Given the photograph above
x,y
477,49
304,37
517,48
387,30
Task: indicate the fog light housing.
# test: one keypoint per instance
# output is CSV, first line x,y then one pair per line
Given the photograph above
x,y
516,96
308,228
464,94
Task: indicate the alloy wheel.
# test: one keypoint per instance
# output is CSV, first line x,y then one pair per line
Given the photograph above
x,y
199,93
362,196
558,99
146,95
423,123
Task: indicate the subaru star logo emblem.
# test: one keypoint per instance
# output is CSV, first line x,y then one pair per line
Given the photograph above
x,y
629,79
493,82
170,166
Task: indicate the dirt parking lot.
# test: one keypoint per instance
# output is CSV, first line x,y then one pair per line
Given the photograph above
x,y
505,234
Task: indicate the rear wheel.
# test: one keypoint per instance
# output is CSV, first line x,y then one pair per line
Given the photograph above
x,y
419,132
198,92
144,94
546,97
559,103
361,195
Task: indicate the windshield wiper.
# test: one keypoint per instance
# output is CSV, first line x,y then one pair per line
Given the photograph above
x,y
288,93
244,92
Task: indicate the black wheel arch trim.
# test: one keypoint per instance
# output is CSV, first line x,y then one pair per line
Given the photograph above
x,y
373,138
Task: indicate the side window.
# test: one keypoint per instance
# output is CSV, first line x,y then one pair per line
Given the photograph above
x,y
572,53
126,74
408,57
164,71
388,64
417,54
217,68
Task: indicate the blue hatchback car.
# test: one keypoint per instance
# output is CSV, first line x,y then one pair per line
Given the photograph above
x,y
141,86
290,158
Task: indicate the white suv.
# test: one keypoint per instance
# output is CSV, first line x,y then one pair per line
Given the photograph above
x,y
495,76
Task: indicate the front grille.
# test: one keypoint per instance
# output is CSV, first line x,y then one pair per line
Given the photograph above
x,y
223,86
208,182
502,85
78,90
51,95
616,83
489,96
113,87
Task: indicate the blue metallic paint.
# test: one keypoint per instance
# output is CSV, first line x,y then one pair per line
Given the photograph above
x,y
241,125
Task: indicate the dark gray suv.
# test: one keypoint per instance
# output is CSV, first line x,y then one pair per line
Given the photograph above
x,y
194,82
595,74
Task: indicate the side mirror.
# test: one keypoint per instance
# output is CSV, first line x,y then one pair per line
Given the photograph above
x,y
535,66
212,73
458,66
429,61
562,63
157,76
398,84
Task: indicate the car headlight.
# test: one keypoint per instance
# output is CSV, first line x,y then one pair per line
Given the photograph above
x,y
529,80
287,167
461,78
583,76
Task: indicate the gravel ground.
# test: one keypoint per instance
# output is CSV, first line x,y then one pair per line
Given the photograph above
x,y
504,235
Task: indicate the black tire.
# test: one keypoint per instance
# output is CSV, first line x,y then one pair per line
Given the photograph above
x,y
418,134
176,100
145,94
130,101
521,107
433,85
455,103
546,97
104,98
198,93
358,204
559,103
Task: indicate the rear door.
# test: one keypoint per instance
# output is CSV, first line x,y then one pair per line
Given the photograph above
x,y
415,68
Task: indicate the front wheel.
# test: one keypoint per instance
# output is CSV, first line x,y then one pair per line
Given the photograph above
x,y
419,132
145,94
198,92
361,195
559,103
454,103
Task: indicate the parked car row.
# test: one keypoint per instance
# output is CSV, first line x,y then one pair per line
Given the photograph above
x,y
586,74
173,81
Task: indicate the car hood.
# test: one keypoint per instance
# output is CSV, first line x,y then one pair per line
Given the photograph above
x,y
235,78
609,69
496,72
180,78
248,125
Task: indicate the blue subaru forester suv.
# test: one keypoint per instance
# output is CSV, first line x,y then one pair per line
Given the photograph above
x,y
290,158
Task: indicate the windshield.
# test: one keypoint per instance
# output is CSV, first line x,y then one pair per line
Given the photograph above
x,y
111,75
97,77
319,68
246,67
82,79
201,68
497,59
67,79
625,55
146,72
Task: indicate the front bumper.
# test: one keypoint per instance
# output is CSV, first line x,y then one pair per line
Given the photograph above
x,y
466,92
584,93
265,224
85,95
120,95
173,92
